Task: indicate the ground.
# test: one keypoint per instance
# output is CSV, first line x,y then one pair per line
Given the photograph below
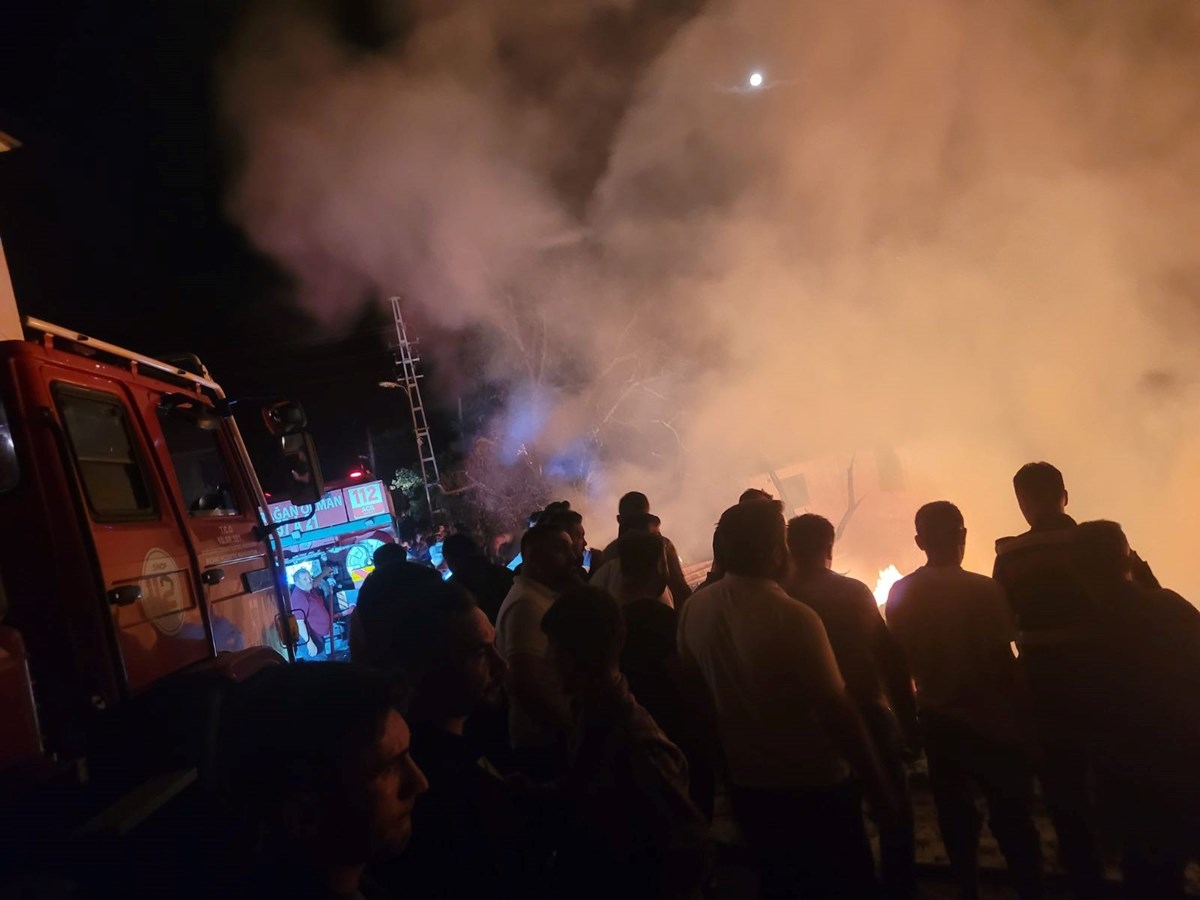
x,y
737,882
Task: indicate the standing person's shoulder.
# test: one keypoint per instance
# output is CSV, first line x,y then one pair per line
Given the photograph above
x,y
707,595
511,599
978,581
1173,606
900,592
856,592
711,589
982,589
790,613
607,575
500,576
1007,544
519,622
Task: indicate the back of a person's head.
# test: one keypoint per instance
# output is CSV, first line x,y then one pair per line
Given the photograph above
x,y
718,562
419,640
939,525
386,554
1100,552
632,504
383,603
289,730
810,537
642,556
1039,481
543,535
586,623
460,547
643,522
561,515
751,538
751,494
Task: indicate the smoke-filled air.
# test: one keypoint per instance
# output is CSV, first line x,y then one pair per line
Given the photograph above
x,y
930,242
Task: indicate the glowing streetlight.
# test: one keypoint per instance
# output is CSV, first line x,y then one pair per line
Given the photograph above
x,y
756,79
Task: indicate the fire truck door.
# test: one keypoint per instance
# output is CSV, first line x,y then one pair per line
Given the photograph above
x,y
213,491
149,584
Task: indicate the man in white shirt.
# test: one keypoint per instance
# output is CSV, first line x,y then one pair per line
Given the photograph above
x,y
538,716
790,735
956,628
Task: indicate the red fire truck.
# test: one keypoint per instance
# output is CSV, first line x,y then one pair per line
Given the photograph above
x,y
140,570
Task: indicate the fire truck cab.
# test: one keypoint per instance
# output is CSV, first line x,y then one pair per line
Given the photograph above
x,y
138,557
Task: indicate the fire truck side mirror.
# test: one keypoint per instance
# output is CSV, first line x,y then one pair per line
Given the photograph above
x,y
305,484
289,629
285,418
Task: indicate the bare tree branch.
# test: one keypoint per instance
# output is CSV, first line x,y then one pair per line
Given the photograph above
x,y
852,502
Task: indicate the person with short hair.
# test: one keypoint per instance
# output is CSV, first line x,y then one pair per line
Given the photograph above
x,y
538,714
641,556
630,828
633,513
790,734
876,675
488,583
386,554
634,517
560,515
444,648
308,605
956,629
1053,612
750,495
316,808
383,600
1141,711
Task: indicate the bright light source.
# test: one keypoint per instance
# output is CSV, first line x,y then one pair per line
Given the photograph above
x,y
357,473
883,587
756,79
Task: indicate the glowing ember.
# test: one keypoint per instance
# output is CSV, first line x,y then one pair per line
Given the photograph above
x,y
887,577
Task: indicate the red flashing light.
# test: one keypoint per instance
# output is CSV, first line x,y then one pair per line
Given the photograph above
x,y
356,473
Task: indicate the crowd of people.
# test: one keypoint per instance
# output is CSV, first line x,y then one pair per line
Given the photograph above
x,y
565,733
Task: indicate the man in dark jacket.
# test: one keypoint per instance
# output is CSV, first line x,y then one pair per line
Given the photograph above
x,y
1142,712
1053,611
876,675
630,829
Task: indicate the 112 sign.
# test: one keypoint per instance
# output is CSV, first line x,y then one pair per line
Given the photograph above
x,y
366,500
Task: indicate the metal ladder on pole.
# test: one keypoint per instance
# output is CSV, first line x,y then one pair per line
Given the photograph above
x,y
410,379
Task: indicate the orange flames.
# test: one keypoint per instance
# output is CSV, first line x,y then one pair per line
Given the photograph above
x,y
887,577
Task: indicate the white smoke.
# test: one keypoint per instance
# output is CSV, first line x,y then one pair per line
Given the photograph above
x,y
960,230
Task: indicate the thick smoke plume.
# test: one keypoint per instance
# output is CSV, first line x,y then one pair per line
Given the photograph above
x,y
942,239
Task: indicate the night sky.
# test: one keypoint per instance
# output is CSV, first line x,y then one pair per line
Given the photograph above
x,y
112,221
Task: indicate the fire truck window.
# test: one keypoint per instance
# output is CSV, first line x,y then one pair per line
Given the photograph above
x,y
200,468
100,439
